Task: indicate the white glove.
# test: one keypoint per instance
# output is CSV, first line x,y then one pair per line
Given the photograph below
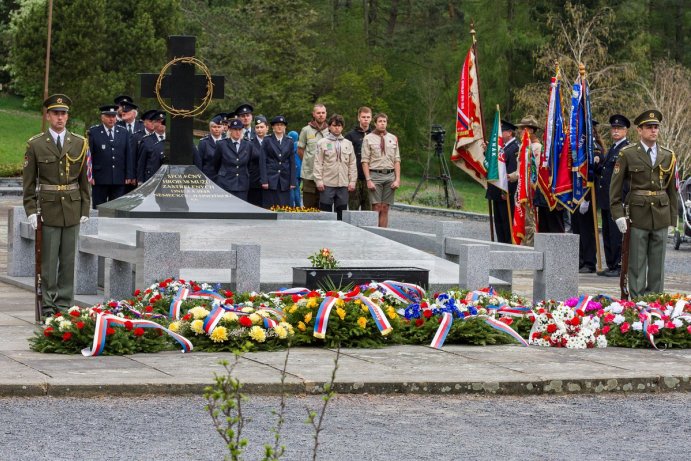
x,y
621,224
83,219
33,220
584,207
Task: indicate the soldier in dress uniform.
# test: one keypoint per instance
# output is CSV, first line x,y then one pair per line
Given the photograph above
x,y
503,213
230,160
111,156
55,181
244,113
277,165
204,153
261,128
649,169
611,236
152,149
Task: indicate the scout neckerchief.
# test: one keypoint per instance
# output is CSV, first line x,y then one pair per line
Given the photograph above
x,y
318,126
382,143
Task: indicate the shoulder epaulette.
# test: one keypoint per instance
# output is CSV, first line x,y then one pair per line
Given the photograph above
x,y
94,126
36,136
632,146
77,135
666,148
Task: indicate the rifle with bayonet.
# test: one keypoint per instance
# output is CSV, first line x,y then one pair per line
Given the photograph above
x,y
37,252
624,275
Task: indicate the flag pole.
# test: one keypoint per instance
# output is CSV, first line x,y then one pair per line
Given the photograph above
x,y
45,81
482,119
593,198
508,197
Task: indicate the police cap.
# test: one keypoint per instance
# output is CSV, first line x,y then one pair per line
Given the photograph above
x,y
148,115
218,118
58,102
109,109
279,119
159,116
119,100
507,126
619,120
235,124
128,106
244,109
652,116
260,119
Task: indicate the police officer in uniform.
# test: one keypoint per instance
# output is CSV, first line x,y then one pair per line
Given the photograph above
x,y
261,128
648,169
128,117
277,165
502,217
55,179
244,113
152,149
230,160
611,236
111,156
204,153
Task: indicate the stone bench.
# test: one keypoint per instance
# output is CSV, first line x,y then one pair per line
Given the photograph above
x,y
154,256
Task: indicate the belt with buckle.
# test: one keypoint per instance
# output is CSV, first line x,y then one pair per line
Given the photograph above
x,y
60,187
647,193
382,171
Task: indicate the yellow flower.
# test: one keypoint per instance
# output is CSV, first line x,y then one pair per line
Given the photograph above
x,y
391,312
230,317
247,309
197,326
340,302
340,312
292,309
301,326
364,307
258,334
362,322
312,303
199,312
174,327
256,319
281,332
219,334
288,327
308,317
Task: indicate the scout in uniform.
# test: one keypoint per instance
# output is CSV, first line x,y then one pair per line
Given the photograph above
x,y
359,198
307,149
335,171
611,236
55,181
381,163
648,169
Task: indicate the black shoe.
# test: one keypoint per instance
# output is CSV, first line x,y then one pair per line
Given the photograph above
x,y
612,273
586,270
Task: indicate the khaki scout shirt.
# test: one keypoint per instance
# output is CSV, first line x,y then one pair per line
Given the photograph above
x,y
334,164
652,198
308,139
43,163
373,155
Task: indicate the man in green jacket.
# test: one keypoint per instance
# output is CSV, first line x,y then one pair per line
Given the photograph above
x,y
57,191
648,169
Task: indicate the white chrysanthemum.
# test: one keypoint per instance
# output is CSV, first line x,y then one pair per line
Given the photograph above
x,y
64,324
199,313
74,309
264,313
256,318
638,326
601,341
230,317
619,319
615,308
377,295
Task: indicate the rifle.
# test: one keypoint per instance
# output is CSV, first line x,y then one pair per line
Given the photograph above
x,y
624,275
37,251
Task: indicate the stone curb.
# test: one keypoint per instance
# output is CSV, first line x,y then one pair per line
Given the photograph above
x,y
653,384
440,212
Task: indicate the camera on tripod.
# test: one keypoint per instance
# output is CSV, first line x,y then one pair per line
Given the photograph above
x,y
437,134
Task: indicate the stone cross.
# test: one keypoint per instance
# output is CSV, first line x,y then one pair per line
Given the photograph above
x,y
183,87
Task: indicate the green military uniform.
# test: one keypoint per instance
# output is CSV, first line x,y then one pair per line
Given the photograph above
x,y
652,207
56,180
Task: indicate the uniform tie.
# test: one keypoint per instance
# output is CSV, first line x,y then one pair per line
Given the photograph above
x,y
110,134
129,128
652,155
237,146
59,144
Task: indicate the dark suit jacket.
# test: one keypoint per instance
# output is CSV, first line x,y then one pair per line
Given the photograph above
x,y
138,125
203,156
151,157
511,156
113,161
253,166
230,165
277,163
603,175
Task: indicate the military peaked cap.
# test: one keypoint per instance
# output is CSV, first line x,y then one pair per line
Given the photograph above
x,y
260,119
109,109
651,116
58,102
619,120
128,106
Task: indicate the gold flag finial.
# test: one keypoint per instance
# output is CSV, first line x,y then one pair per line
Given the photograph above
x,y
581,69
472,30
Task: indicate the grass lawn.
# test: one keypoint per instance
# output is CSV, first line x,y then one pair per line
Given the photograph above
x,y
470,194
16,127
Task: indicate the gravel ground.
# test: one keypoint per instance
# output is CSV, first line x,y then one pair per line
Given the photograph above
x,y
676,261
609,427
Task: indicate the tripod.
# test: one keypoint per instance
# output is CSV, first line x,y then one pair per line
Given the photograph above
x,y
444,174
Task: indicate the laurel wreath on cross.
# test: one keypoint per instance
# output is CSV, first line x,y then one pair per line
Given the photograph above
x,y
206,100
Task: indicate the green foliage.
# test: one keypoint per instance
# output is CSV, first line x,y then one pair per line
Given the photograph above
x,y
323,259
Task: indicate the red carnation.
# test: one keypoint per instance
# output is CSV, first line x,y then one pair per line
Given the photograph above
x,y
163,284
332,293
183,281
574,321
427,313
624,327
506,320
419,322
58,314
75,313
295,298
688,328
139,331
79,325
669,325
229,301
580,312
137,292
47,332
424,305
605,329
245,321
113,304
229,294
129,325
66,336
536,335
653,329
187,316
551,328
531,317
149,308
609,318
312,294
110,331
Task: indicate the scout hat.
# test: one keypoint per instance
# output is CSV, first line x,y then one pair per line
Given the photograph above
x,y
236,124
528,121
279,119
119,100
652,116
58,102
109,109
260,119
507,126
619,120
244,109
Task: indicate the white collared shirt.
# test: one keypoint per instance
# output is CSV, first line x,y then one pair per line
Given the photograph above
x,y
55,134
620,141
653,152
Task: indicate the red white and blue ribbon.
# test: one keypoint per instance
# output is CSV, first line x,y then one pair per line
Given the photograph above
x,y
207,294
405,292
175,304
504,328
322,319
377,314
213,318
582,303
300,291
442,331
104,321
646,324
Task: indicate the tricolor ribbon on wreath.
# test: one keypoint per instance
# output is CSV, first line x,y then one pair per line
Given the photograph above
x,y
647,313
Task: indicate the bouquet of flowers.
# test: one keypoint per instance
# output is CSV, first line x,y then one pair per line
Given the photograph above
x,y
568,324
323,259
293,209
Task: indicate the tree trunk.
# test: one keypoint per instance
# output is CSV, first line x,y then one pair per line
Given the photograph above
x,y
393,15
